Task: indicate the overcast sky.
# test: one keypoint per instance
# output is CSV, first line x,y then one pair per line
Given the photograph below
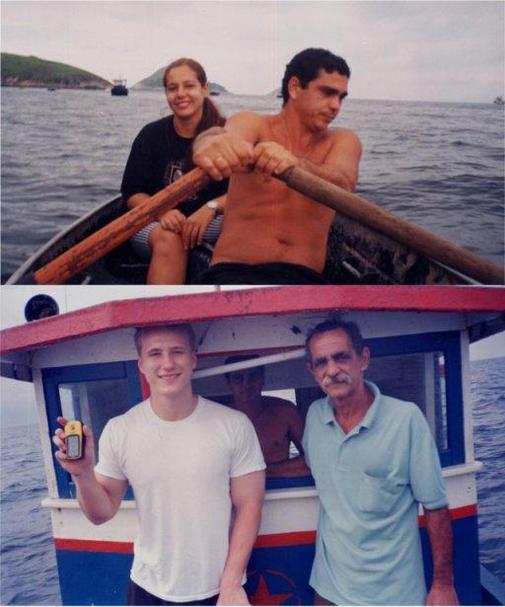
x,y
439,51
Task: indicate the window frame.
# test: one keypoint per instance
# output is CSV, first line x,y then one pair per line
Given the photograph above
x,y
53,377
449,343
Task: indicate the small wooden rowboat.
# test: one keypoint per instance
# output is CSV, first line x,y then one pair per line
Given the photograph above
x,y
366,245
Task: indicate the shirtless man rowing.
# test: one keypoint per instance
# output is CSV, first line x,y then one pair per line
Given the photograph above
x,y
272,234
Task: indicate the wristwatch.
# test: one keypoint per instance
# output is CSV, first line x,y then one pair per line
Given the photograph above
x,y
214,205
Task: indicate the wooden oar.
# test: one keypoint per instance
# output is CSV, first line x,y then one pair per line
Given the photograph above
x,y
118,231
417,238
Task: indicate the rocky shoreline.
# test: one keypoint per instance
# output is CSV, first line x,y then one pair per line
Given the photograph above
x,y
34,84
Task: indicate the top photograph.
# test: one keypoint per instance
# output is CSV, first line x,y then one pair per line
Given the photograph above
x,y
253,143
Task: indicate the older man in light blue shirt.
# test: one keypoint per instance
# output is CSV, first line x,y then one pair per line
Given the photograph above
x,y
374,460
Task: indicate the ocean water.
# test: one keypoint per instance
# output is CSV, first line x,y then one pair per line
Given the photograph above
x,y
28,574
488,393
440,165
28,565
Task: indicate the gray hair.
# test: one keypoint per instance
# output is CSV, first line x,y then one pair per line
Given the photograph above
x,y
332,323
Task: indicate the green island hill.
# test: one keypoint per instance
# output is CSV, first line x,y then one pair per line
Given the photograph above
x,y
32,72
155,81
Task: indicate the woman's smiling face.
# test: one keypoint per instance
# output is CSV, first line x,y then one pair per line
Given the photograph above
x,y
185,94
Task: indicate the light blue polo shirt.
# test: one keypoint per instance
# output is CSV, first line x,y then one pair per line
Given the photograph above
x,y
368,548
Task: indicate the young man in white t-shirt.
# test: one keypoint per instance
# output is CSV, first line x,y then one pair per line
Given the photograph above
x,y
190,461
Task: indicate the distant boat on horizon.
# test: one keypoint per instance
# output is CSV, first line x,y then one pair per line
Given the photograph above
x,y
499,101
119,89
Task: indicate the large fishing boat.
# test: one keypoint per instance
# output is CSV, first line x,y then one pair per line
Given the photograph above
x,y
83,365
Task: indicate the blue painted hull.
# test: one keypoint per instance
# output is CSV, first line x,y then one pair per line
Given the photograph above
x,y
276,575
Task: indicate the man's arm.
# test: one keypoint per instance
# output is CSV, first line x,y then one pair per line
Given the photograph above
x,y
99,496
247,494
340,165
439,527
292,466
221,151
342,162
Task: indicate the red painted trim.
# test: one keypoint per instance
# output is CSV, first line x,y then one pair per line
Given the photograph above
x,y
295,538
228,304
270,540
456,513
93,546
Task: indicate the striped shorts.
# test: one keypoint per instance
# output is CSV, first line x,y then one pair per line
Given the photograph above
x,y
140,242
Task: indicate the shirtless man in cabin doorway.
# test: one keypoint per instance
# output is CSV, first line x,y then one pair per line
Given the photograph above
x,y
272,234
277,421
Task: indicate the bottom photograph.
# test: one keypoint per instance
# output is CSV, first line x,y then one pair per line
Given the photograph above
x,y
312,445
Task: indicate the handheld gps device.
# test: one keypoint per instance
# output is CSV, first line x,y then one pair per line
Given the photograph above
x,y
74,439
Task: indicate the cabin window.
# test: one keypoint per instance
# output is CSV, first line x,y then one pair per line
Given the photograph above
x,y
425,369
92,394
420,378
94,402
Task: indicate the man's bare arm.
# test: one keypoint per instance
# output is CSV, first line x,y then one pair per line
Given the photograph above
x,y
292,466
439,527
342,162
247,494
340,166
99,496
222,151
288,468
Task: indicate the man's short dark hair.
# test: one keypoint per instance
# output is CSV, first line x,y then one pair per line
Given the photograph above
x,y
238,358
306,65
181,328
333,323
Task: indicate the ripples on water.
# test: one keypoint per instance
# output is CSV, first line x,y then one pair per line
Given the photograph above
x,y
28,562
488,393
437,164
28,572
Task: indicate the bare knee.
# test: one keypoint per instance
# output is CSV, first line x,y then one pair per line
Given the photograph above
x,y
164,241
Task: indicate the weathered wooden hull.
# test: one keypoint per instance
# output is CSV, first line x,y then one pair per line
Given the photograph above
x,y
356,255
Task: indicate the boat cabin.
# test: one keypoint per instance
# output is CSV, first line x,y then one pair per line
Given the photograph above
x,y
84,365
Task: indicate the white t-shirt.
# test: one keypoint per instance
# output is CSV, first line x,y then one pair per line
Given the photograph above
x,y
180,474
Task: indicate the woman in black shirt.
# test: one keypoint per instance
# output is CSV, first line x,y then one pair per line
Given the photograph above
x,y
160,154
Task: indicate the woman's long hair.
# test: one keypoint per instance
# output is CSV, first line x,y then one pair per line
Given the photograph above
x,y
211,115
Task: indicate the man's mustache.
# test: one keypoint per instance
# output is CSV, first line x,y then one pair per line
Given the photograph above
x,y
339,378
